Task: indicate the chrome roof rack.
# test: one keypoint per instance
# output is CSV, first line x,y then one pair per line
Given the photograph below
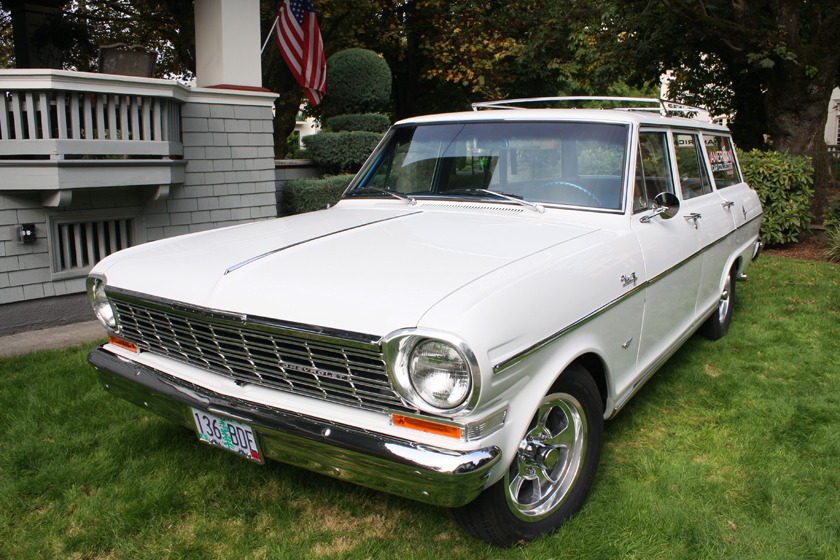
x,y
662,106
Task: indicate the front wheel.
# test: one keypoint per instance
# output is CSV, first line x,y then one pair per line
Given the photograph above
x,y
552,471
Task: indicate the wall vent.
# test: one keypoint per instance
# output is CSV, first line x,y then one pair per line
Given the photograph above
x,y
76,245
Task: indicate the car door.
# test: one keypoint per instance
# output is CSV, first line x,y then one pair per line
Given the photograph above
x,y
706,210
740,201
671,252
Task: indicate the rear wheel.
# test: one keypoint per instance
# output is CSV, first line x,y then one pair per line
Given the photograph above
x,y
553,469
718,324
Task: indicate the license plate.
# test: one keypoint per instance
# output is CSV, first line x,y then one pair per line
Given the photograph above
x,y
227,434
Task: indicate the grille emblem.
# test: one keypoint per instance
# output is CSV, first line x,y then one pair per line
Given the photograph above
x,y
316,371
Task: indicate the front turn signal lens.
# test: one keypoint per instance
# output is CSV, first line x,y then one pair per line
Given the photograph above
x,y
426,426
122,343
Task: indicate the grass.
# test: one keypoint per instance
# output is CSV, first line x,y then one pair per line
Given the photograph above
x,y
731,451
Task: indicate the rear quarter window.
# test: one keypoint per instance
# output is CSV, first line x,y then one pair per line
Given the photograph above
x,y
722,157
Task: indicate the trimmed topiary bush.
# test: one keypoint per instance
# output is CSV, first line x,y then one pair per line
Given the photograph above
x,y
341,152
783,183
358,81
306,195
371,122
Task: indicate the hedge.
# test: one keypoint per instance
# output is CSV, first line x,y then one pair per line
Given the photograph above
x,y
306,195
783,183
341,152
370,122
358,81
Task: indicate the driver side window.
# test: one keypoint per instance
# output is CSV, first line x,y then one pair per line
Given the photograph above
x,y
653,169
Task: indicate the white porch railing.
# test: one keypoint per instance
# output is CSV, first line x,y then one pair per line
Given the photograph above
x,y
61,131
55,114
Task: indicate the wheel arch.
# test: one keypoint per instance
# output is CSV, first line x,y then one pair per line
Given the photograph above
x,y
594,365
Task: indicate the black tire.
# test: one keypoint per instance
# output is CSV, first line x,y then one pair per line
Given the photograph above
x,y
552,472
718,324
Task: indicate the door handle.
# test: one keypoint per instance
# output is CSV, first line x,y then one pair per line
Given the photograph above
x,y
728,204
693,216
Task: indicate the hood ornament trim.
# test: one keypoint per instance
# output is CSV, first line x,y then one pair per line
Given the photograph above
x,y
273,251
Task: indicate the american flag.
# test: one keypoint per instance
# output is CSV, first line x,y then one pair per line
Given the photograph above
x,y
299,39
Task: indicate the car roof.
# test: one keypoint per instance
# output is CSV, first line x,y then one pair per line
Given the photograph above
x,y
617,116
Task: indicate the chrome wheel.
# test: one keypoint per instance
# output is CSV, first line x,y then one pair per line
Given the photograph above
x,y
723,306
717,325
549,458
551,471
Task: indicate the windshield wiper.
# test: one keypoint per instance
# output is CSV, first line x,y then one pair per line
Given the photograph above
x,y
395,194
538,207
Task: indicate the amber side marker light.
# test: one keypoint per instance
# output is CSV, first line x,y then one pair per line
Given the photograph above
x,y
121,343
426,426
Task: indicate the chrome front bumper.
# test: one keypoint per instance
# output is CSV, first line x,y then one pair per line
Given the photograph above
x,y
437,476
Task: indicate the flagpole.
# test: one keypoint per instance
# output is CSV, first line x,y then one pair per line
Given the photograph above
x,y
269,34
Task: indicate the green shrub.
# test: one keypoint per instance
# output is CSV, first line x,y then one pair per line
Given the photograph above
x,y
297,153
832,214
358,81
340,152
783,183
370,122
832,246
306,195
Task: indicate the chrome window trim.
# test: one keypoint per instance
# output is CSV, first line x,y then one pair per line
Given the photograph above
x,y
501,366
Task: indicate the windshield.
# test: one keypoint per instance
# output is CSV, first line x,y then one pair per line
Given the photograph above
x,y
564,163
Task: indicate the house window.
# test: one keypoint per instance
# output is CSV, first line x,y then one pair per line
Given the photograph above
x,y
77,242
838,130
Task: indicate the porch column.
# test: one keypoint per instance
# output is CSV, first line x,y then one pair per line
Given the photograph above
x,y
227,43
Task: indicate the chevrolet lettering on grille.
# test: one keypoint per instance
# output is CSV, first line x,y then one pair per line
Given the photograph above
x,y
315,371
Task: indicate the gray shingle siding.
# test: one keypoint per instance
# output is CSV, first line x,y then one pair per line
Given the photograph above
x,y
229,180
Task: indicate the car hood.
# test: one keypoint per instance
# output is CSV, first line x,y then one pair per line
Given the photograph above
x,y
364,270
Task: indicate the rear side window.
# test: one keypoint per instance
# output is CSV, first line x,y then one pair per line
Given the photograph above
x,y
694,176
722,157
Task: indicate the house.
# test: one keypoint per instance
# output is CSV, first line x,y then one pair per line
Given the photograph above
x,y
93,163
832,125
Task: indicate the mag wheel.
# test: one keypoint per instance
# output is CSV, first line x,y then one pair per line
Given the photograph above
x,y
718,324
553,469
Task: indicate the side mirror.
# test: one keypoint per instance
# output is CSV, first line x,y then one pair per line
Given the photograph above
x,y
665,204
668,202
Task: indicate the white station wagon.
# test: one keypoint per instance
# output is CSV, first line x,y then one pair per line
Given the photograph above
x,y
490,288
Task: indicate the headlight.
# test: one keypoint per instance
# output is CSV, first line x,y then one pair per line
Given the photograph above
x,y
435,372
100,303
439,374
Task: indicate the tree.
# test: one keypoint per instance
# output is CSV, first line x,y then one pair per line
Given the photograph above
x,y
7,45
444,55
164,25
782,54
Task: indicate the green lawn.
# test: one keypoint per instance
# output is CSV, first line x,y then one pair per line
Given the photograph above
x,y
731,451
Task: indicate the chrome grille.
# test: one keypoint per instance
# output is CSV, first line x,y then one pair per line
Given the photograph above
x,y
328,370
